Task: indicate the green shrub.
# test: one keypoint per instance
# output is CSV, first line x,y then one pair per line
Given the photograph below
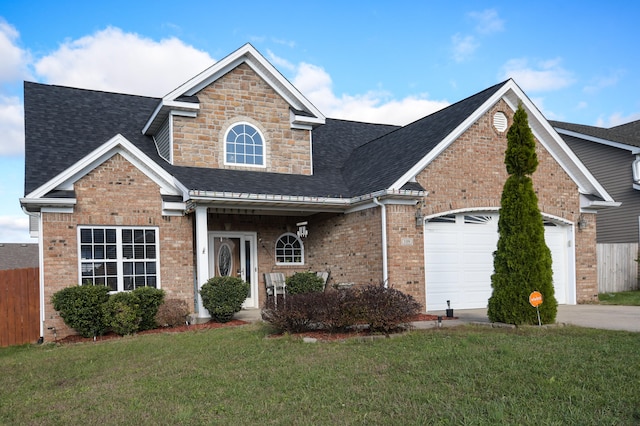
x,y
171,313
149,300
304,282
80,308
122,313
522,261
223,297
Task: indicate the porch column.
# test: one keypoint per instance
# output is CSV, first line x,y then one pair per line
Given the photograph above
x,y
202,257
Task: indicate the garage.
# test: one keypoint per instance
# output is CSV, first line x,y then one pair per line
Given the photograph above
x,y
459,259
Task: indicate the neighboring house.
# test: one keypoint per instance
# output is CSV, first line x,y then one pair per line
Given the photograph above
x,y
613,157
18,256
236,173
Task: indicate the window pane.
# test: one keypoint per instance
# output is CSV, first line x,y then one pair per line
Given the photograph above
x,y
112,268
112,283
139,268
98,235
151,268
86,252
127,268
150,236
110,236
151,281
127,236
87,270
151,252
128,283
138,251
111,252
85,236
98,252
127,252
138,235
140,281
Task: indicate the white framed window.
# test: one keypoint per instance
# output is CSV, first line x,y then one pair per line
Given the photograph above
x,y
122,258
244,145
289,250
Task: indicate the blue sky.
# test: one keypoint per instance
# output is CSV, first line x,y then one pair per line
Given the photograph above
x,y
379,61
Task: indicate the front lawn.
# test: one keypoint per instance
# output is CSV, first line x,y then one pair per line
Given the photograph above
x,y
629,298
463,375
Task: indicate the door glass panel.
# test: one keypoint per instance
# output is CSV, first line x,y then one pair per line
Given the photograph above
x,y
247,266
224,260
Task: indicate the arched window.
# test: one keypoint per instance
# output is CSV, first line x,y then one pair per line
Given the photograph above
x,y
289,250
244,145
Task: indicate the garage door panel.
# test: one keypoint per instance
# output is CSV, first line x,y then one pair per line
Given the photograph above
x,y
460,261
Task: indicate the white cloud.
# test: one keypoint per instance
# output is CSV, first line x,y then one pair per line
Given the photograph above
x,y
15,61
280,63
12,125
603,82
374,106
463,47
543,76
113,60
15,229
488,21
617,119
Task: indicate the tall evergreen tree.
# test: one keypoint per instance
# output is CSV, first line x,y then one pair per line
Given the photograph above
x,y
522,261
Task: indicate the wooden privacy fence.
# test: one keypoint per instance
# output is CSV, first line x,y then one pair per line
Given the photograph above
x,y
19,307
617,267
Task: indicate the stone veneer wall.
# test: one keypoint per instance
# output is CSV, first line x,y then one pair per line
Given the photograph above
x,y
241,95
114,194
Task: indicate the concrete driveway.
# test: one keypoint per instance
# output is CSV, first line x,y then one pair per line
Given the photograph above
x,y
606,317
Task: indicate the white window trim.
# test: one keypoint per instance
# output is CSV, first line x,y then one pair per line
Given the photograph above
x,y
301,250
119,255
264,146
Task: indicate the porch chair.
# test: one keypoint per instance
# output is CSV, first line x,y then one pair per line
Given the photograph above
x,y
276,285
325,278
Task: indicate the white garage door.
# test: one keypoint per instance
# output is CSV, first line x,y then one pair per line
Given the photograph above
x,y
459,259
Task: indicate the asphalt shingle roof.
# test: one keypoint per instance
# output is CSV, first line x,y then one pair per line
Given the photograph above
x,y
381,162
18,256
349,158
628,134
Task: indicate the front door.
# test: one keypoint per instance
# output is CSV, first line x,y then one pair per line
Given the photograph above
x,y
234,254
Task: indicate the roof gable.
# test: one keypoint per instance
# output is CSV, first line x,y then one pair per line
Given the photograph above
x,y
382,163
181,100
64,124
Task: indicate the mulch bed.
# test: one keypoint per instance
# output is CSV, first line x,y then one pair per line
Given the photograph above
x,y
319,335
76,338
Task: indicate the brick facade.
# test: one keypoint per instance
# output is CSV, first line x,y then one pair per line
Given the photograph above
x,y
241,95
470,174
116,193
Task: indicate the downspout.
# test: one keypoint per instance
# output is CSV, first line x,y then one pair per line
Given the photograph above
x,y
385,270
40,270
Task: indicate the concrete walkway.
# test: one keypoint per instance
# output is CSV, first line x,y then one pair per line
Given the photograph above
x,y
606,317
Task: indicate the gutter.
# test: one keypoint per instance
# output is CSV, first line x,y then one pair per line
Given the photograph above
x,y
385,269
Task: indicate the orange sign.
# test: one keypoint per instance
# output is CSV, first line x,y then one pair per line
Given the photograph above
x,y
535,298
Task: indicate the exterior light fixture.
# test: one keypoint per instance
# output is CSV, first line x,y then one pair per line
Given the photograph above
x,y
302,229
419,218
582,222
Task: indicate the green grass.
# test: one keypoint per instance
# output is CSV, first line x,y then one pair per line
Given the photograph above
x,y
629,298
451,376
